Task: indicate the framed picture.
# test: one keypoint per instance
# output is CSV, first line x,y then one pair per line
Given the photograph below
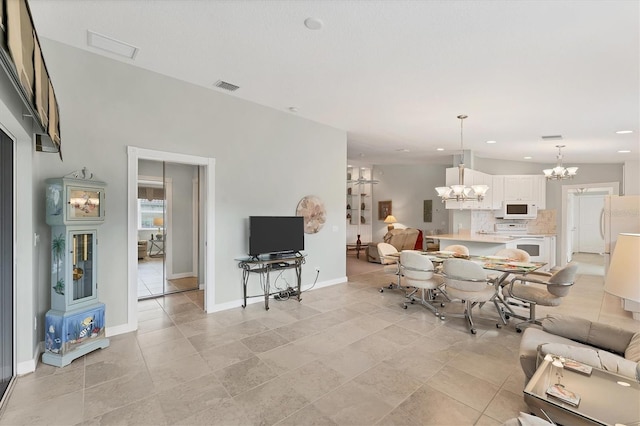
x,y
384,209
427,210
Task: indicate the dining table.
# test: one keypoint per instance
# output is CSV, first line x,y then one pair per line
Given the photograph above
x,y
504,265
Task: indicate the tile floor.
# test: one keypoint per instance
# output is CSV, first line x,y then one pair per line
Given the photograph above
x,y
346,355
151,279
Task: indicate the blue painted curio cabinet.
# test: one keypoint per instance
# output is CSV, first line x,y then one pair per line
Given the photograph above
x,y
75,324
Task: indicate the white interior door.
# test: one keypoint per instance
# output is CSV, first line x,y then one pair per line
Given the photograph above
x,y
570,236
590,240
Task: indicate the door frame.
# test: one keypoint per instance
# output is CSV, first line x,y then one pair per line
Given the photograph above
x,y
208,204
4,396
613,188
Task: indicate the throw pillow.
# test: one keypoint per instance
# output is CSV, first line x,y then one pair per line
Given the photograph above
x,y
633,350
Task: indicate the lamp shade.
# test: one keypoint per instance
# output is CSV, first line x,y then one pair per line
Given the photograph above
x,y
158,221
390,219
623,278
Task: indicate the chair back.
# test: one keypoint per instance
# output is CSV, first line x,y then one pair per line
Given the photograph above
x,y
458,249
386,248
416,268
518,255
464,275
560,283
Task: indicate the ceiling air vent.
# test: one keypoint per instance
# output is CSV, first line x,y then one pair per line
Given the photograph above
x,y
226,86
552,138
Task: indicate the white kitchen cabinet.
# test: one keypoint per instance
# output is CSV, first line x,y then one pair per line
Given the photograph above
x,y
525,188
497,190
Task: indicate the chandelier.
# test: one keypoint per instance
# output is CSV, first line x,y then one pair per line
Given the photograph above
x,y
559,171
461,192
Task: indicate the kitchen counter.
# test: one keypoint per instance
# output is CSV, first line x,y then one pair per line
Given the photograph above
x,y
480,238
488,244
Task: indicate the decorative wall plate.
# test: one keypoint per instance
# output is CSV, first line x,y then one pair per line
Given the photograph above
x,y
311,208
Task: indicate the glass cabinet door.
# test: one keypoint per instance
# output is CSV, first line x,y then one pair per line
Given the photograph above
x,y
82,257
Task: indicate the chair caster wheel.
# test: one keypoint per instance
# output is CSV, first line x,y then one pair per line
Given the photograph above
x,y
473,331
442,317
404,306
507,317
390,286
382,290
498,325
442,305
518,330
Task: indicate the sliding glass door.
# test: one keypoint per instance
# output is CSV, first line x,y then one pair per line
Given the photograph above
x,y
6,263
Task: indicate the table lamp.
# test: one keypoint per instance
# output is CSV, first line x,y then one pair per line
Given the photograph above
x,y
159,222
390,220
623,278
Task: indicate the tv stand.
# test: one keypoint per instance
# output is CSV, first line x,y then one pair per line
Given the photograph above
x,y
263,265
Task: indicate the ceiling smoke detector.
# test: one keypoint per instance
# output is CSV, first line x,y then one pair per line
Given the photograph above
x,y
226,86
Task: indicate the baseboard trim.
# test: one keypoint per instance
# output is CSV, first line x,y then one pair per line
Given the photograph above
x,y
29,366
234,304
119,329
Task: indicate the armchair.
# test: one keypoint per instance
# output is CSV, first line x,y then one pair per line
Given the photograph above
x,y
417,271
540,290
467,281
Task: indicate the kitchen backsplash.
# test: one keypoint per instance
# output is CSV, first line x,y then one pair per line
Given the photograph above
x,y
484,220
545,223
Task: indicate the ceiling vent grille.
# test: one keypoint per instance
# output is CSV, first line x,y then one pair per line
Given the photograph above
x,y
552,138
226,86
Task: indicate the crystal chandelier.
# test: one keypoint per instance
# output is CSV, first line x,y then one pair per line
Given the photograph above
x,y
461,192
559,171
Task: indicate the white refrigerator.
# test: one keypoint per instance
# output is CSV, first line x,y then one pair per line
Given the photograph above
x,y
620,214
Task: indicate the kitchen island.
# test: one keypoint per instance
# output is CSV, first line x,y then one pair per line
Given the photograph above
x,y
478,244
541,248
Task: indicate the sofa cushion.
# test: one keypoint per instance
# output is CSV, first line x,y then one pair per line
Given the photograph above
x,y
532,338
633,350
601,335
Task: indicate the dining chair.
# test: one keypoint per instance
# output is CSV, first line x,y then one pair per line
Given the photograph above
x,y
417,270
457,249
391,265
539,290
467,281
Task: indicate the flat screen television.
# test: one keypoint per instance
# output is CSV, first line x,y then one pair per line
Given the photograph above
x,y
275,234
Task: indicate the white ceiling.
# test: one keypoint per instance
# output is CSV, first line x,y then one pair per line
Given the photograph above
x,y
395,74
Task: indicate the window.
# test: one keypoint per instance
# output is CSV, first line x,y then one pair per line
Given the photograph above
x,y
150,212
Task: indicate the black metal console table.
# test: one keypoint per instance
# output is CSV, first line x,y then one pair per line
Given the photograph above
x,y
263,266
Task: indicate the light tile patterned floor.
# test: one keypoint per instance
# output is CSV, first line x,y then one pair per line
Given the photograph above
x,y
346,355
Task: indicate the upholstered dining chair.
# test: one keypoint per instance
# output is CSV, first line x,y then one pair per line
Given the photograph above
x,y
467,281
457,249
539,290
418,272
391,265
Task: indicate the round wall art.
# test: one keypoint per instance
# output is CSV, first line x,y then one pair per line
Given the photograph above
x,y
311,208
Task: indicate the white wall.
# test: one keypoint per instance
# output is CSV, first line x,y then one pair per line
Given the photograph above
x,y
266,161
407,186
631,178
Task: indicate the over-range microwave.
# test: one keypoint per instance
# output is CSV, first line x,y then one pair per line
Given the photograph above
x,y
517,210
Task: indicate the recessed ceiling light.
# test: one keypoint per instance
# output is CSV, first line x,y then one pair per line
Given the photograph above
x,y
293,109
527,157
402,150
624,132
491,141
111,45
624,151
313,23
439,149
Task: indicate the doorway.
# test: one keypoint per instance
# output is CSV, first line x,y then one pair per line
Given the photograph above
x,y
200,232
7,303
168,228
581,207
